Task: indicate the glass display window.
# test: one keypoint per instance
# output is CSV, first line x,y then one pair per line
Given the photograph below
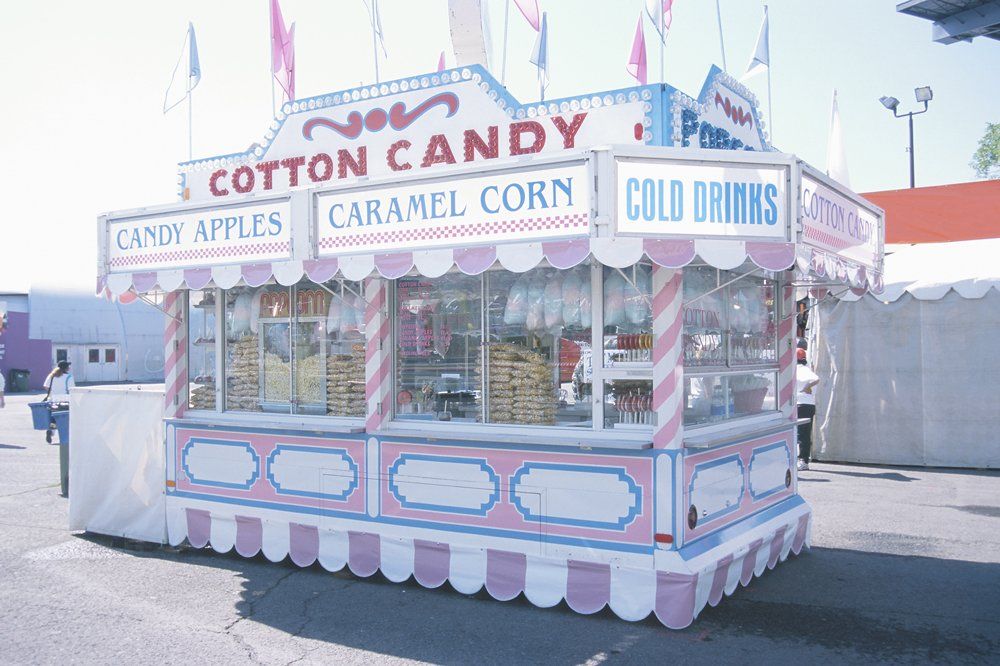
x,y
243,312
752,326
538,355
344,337
628,316
438,348
628,404
704,334
201,349
715,398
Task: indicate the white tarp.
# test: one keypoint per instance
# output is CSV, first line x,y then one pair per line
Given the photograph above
x,y
909,382
117,465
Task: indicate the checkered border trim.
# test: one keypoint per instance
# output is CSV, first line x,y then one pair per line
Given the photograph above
x,y
201,253
478,229
827,239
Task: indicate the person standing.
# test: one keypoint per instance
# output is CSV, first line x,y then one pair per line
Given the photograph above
x,y
3,387
805,381
58,384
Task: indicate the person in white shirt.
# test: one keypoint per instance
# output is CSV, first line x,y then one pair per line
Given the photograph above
x,y
3,387
805,380
58,384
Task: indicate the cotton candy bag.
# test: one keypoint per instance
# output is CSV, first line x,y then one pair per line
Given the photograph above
x,y
614,300
553,302
571,299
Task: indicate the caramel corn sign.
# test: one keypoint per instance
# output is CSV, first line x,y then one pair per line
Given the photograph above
x,y
406,127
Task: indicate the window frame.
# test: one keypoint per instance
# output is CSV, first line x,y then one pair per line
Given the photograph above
x,y
729,370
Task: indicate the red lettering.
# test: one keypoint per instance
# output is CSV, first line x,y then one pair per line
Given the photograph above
x,y
390,156
327,168
267,168
569,131
474,143
293,164
241,173
213,183
345,160
438,152
520,128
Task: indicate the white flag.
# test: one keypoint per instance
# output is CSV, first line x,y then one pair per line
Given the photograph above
x,y
190,74
660,12
761,59
540,54
836,154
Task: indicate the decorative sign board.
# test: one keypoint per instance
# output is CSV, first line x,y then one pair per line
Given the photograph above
x,y
834,223
541,203
399,128
205,236
702,200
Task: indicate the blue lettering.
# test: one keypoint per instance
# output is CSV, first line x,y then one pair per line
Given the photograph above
x,y
700,200
676,200
770,197
333,220
631,208
274,220
482,199
648,199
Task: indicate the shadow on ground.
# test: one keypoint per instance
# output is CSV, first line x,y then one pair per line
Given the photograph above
x,y
860,606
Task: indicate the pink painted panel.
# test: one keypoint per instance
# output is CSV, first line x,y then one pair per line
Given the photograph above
x,y
731,482
228,469
498,488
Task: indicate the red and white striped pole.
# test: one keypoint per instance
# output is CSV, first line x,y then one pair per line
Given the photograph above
x,y
378,358
175,363
668,367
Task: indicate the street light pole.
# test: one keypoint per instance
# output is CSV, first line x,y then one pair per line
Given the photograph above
x,y
923,95
912,175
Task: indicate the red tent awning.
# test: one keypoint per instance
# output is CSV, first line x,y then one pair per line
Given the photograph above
x,y
963,211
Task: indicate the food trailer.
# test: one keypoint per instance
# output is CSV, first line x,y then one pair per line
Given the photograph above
x,y
424,329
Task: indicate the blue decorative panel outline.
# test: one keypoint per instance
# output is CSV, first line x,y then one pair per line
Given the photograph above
x,y
484,508
767,492
342,453
632,487
186,450
717,463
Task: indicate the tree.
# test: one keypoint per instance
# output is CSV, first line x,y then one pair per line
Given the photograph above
x,y
986,159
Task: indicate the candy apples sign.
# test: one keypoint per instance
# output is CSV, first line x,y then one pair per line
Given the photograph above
x,y
455,117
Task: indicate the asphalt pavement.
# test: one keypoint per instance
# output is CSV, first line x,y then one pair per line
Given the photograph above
x,y
904,567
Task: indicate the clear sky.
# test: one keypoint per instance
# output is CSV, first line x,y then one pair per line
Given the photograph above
x,y
84,82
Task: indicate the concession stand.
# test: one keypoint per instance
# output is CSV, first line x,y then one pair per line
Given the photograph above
x,y
425,329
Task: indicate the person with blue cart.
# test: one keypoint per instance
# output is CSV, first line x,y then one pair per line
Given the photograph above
x,y
57,385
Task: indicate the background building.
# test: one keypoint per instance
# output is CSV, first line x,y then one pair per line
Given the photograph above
x,y
105,341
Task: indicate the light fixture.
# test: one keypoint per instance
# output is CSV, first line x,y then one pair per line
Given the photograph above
x,y
889,102
924,94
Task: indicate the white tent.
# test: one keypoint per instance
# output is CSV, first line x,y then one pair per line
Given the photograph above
x,y
912,377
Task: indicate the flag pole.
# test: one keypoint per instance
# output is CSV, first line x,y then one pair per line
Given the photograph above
x,y
663,40
503,66
190,115
270,62
722,41
372,9
770,116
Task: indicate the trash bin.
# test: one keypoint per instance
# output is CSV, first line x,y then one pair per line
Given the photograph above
x,y
40,415
61,419
18,380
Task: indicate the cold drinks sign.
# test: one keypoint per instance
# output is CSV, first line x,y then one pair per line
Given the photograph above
x,y
702,200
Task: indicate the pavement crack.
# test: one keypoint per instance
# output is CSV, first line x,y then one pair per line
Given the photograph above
x,y
251,605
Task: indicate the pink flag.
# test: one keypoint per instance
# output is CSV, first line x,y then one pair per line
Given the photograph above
x,y
282,51
441,62
636,65
530,10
